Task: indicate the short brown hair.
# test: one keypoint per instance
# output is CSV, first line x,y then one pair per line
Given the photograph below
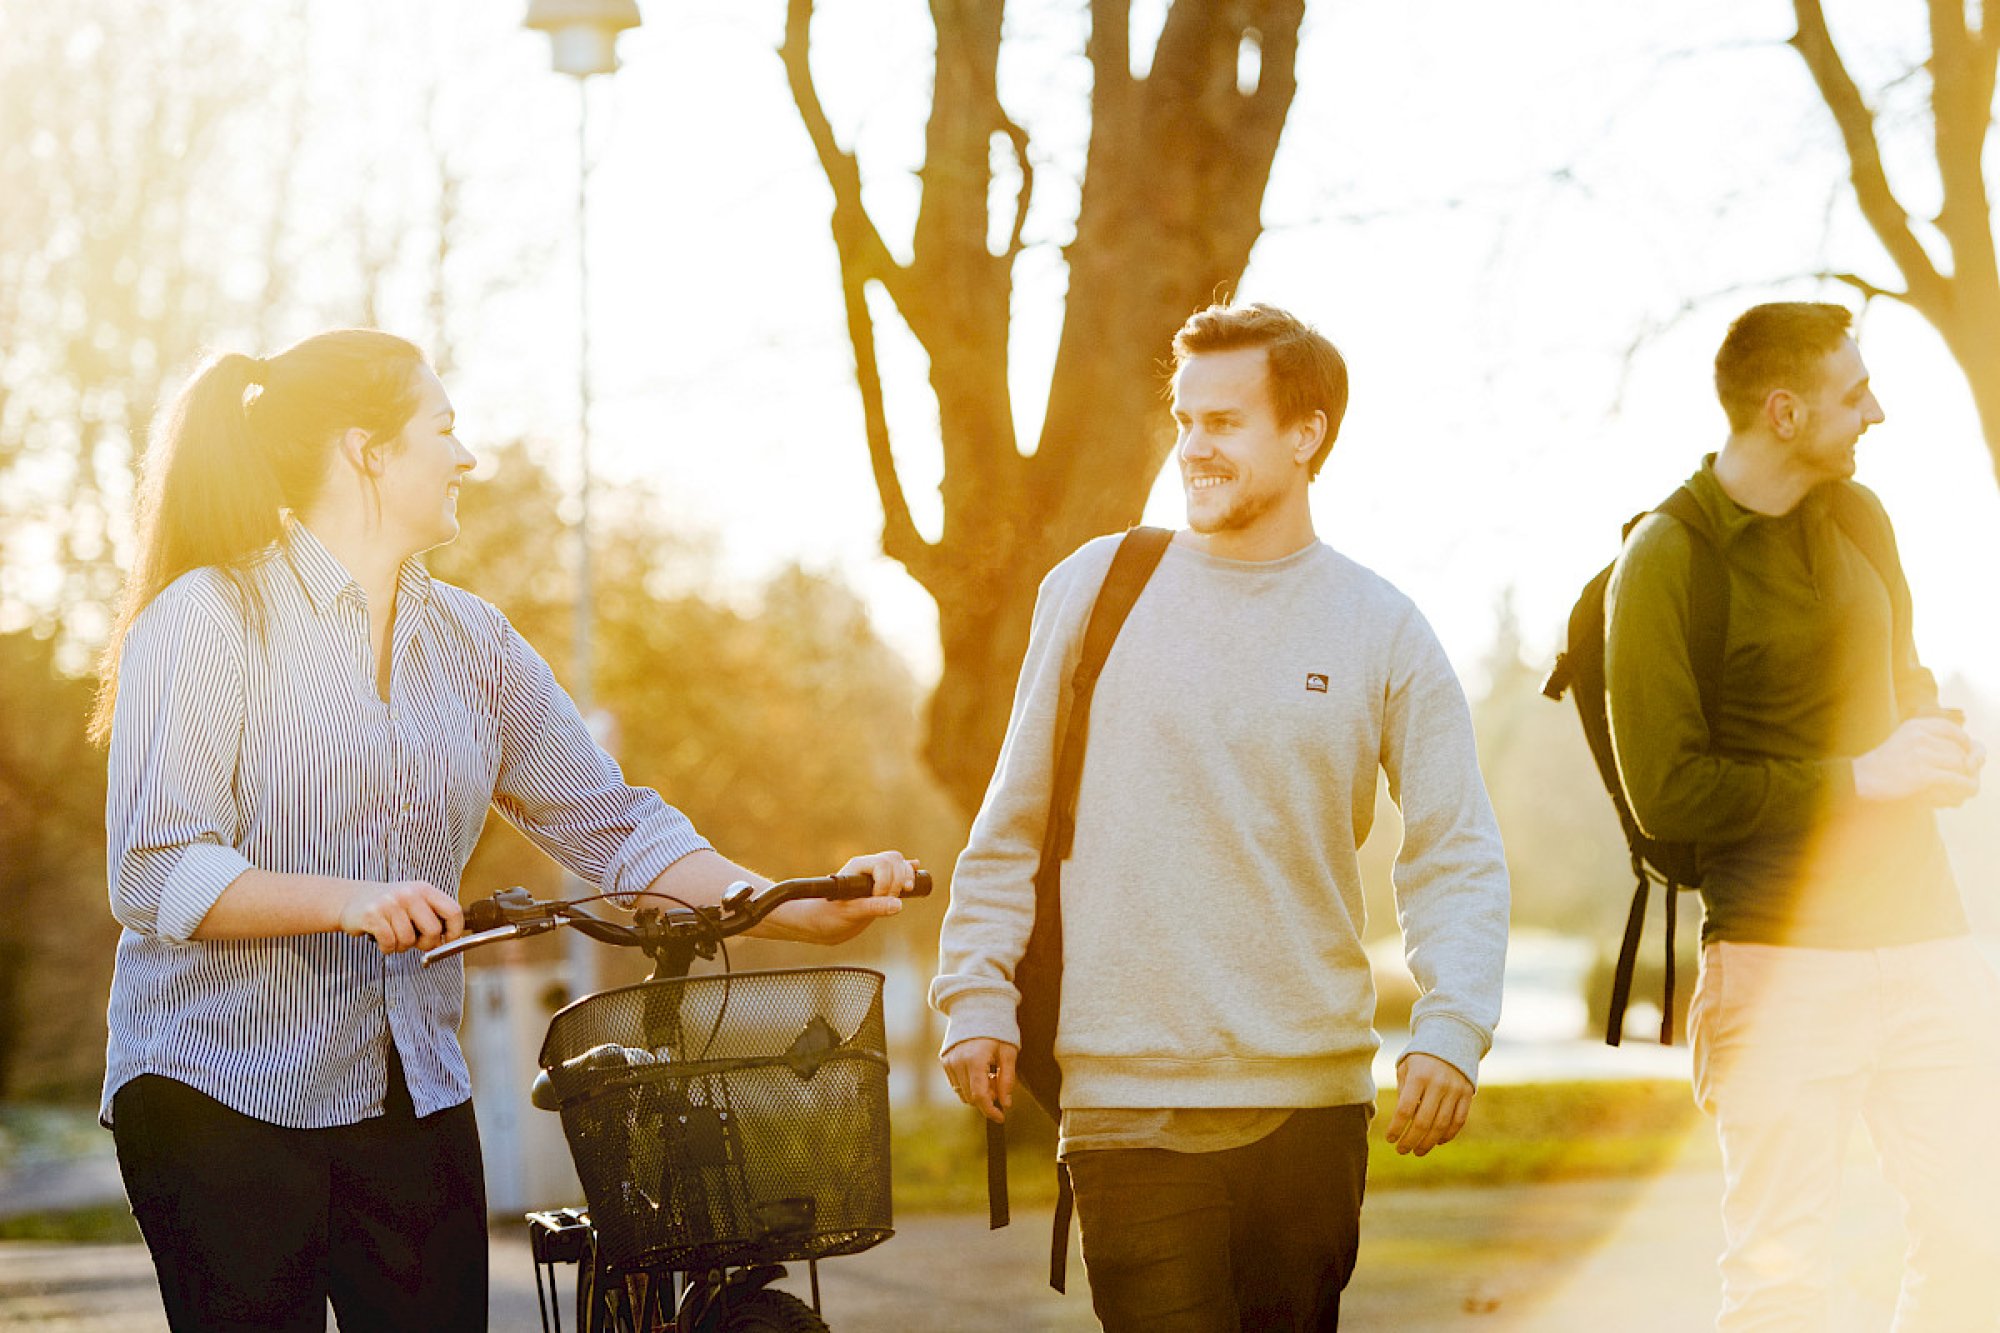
x,y
1775,346
1307,373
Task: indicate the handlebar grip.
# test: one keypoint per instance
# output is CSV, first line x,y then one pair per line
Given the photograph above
x,y
863,885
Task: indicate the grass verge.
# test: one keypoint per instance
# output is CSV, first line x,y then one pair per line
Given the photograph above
x,y
105,1224
1518,1134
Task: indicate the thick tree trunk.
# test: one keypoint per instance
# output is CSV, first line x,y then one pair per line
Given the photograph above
x,y
983,643
1974,341
1171,201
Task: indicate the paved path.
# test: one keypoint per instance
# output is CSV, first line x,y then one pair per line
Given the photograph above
x,y
1631,1256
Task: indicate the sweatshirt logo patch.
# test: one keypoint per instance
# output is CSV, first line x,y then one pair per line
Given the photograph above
x,y
1315,682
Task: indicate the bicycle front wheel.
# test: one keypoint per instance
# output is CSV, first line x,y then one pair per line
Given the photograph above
x,y
769,1311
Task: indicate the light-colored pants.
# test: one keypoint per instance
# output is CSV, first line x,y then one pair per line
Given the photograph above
x,y
1790,1045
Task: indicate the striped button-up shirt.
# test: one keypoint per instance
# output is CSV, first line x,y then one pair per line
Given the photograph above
x,y
232,750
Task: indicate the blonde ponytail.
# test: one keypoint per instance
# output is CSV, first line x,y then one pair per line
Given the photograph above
x,y
245,440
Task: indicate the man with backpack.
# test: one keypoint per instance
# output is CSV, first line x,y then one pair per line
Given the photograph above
x,y
1215,1038
1838,977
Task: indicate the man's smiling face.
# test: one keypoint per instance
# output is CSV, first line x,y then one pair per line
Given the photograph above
x,y
1237,463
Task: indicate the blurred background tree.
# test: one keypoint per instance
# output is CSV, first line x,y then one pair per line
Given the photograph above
x,y
56,934
775,717
134,227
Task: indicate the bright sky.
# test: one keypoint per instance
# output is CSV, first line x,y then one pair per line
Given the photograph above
x,y
1485,205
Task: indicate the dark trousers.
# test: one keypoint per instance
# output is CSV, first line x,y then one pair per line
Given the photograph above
x,y
1255,1238
253,1226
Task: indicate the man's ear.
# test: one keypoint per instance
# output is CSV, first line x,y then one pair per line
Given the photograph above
x,y
355,449
1312,433
1783,413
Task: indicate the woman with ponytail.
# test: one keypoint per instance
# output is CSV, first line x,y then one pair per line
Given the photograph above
x,y
306,732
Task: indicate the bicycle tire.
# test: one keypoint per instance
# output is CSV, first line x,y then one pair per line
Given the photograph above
x,y
769,1311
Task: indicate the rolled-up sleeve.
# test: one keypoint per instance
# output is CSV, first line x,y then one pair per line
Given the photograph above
x,y
559,787
171,823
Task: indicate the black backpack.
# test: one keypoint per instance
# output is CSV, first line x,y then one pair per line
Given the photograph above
x,y
1579,672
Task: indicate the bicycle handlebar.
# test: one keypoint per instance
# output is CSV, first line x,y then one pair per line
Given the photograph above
x,y
515,914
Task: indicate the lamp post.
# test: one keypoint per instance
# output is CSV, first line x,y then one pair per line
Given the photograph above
x,y
583,40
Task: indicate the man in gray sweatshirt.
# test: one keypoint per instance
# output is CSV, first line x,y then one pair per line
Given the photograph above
x,y
1216,1034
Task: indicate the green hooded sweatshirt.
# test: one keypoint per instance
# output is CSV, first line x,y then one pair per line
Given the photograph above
x,y
1814,674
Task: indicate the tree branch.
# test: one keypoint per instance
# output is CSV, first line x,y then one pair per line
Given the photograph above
x,y
901,541
843,173
1019,138
1869,291
1885,214
863,258
1962,72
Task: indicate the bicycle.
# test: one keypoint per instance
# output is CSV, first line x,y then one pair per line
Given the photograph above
x,y
721,1125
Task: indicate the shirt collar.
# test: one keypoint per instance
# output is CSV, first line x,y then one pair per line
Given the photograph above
x,y
1730,519
325,579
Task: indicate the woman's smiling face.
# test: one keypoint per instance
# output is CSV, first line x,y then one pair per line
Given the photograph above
x,y
422,470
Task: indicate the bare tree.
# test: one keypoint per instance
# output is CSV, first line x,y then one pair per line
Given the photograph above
x,y
1958,291
125,223
1173,186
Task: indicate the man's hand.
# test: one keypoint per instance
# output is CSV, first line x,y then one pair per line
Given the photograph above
x,y
1432,1102
407,914
1929,758
981,1071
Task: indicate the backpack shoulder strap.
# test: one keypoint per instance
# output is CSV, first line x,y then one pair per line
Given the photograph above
x,y
1139,554
1868,530
1708,599
1708,639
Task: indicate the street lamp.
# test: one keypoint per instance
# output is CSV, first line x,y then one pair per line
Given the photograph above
x,y
583,33
583,40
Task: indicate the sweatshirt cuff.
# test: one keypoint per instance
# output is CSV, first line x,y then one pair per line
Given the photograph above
x,y
981,1015
1452,1040
204,871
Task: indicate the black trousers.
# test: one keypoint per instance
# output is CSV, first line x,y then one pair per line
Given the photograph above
x,y
253,1226
1256,1238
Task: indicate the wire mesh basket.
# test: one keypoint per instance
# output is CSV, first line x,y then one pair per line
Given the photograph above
x,y
729,1120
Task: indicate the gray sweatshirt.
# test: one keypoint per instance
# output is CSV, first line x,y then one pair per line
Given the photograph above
x,y
1212,905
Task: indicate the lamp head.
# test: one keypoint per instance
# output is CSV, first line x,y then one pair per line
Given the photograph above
x,y
583,34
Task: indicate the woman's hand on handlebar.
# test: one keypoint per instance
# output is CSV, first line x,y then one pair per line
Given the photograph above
x,y
829,921
408,914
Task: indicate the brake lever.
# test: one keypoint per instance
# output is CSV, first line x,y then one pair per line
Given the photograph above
x,y
511,931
